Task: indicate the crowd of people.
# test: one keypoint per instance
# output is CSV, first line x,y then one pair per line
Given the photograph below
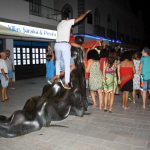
x,y
108,70
125,71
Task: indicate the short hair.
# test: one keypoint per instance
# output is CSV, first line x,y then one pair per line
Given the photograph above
x,y
65,15
147,50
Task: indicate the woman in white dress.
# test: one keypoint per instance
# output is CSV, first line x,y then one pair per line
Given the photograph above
x,y
136,79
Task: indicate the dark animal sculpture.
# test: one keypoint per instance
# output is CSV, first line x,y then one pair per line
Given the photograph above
x,y
54,104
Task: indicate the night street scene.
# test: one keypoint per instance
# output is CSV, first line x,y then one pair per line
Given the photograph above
x,y
74,75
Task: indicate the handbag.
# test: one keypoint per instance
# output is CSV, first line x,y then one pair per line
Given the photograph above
x,y
141,81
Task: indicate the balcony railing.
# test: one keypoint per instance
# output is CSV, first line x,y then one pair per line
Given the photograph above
x,y
44,11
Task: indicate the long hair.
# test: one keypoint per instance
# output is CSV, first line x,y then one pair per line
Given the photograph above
x,y
112,56
126,55
93,54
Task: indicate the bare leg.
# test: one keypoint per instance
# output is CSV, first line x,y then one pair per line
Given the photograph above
x,y
111,101
108,99
144,96
100,94
11,82
123,99
93,98
105,101
134,95
126,100
4,94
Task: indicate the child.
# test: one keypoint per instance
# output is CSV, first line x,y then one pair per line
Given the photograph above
x,y
50,67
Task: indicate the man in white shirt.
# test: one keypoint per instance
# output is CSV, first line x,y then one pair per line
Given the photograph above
x,y
62,46
10,67
4,76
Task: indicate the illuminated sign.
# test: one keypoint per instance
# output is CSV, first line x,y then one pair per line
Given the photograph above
x,y
26,31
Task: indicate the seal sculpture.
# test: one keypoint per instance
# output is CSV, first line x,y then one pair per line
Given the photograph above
x,y
54,104
39,111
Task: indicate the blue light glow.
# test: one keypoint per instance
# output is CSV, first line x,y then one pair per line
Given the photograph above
x,y
99,38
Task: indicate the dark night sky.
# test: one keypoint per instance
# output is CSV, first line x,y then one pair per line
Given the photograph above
x,y
143,7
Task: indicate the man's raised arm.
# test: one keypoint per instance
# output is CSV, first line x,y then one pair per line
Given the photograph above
x,y
82,16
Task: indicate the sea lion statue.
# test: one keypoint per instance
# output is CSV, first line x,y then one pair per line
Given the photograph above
x,y
54,104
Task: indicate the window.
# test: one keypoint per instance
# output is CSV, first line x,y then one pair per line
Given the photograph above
x,y
28,56
17,56
42,55
35,7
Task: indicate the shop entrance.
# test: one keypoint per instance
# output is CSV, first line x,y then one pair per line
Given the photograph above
x,y
29,59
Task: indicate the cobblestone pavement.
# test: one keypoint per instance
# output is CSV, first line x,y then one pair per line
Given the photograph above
x,y
97,130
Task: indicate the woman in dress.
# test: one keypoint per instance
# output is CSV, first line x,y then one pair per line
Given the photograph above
x,y
136,79
110,80
126,72
95,78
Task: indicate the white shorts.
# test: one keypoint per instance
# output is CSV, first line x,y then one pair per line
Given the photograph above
x,y
4,82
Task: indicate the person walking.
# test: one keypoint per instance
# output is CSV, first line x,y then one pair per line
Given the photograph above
x,y
62,46
95,78
145,73
136,79
126,74
110,73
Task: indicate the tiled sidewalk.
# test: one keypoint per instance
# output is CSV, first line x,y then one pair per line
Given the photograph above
x,y
97,130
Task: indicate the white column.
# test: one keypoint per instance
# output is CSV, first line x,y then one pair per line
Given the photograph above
x,y
9,44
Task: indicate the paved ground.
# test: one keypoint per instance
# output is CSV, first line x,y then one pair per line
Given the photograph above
x,y
97,130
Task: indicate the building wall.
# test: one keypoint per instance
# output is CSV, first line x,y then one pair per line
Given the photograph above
x,y
129,25
9,10
122,20
17,11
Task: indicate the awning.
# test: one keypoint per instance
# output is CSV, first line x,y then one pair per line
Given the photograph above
x,y
91,44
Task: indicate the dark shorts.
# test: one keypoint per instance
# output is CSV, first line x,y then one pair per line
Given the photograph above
x,y
128,86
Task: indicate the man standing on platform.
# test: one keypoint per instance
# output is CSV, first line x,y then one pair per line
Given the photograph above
x,y
62,47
